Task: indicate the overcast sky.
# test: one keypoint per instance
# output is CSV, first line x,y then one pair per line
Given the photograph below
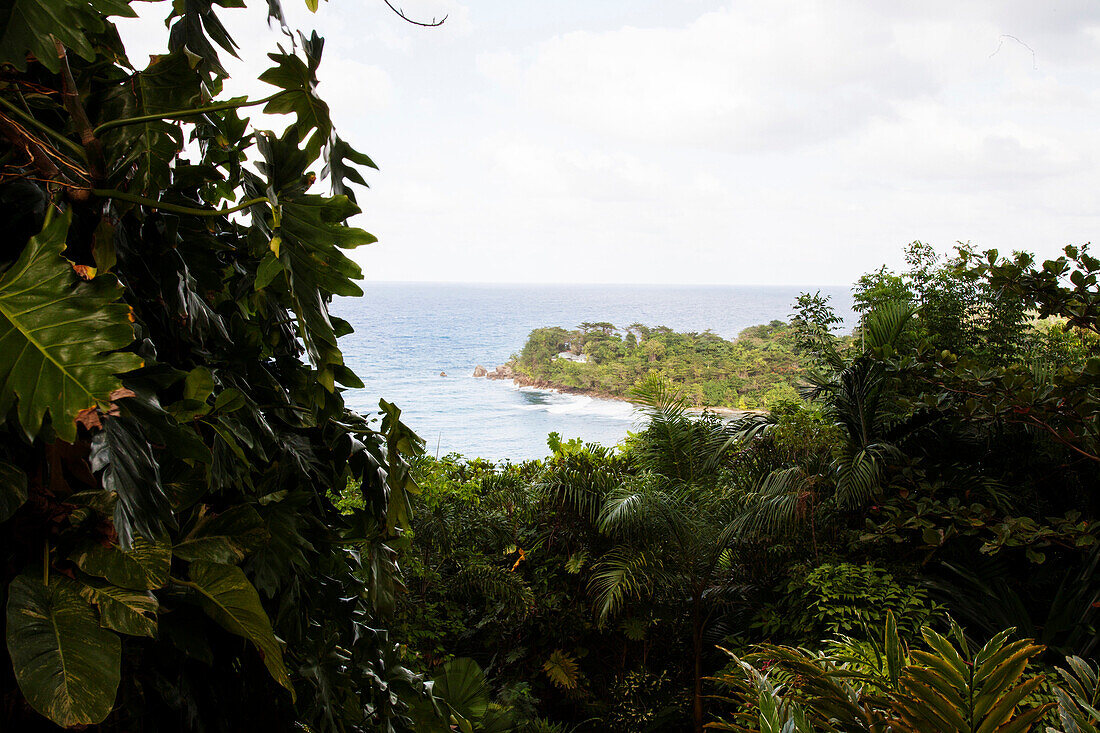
x,y
696,141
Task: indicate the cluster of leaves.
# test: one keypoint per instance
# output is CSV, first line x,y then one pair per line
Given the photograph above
x,y
949,686
760,369
170,393
845,599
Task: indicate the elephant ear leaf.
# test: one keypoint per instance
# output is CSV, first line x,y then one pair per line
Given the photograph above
x,y
30,27
144,566
224,538
13,490
59,336
121,609
66,664
229,599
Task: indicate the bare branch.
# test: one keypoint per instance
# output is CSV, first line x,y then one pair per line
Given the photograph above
x,y
401,13
1034,63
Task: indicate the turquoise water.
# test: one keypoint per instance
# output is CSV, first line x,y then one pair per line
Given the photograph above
x,y
407,333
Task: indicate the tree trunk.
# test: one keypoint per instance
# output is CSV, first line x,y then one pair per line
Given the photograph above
x,y
697,647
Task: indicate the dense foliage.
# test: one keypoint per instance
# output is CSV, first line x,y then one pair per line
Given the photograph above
x,y
943,466
761,368
169,387
196,534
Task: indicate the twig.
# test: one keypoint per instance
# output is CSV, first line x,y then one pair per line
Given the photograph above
x,y
401,14
1034,63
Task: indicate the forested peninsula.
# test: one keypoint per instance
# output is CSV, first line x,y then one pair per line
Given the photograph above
x,y
759,369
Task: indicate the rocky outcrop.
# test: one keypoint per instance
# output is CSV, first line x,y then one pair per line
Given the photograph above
x,y
480,371
504,371
443,374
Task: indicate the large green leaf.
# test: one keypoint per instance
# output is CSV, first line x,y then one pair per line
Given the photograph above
x,y
66,664
30,26
131,470
228,598
144,566
462,684
145,150
223,538
56,335
298,80
340,162
13,490
127,611
312,231
307,232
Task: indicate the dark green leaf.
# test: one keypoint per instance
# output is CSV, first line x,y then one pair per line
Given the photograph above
x,y
143,152
299,81
127,611
30,26
13,490
224,538
131,470
230,599
66,664
56,335
142,567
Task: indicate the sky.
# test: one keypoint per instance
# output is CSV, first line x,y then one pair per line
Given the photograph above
x,y
699,141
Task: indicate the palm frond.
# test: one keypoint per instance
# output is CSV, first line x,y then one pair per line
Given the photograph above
x,y
622,574
778,504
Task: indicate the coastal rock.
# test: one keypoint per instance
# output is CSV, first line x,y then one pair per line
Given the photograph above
x,y
443,374
504,371
480,371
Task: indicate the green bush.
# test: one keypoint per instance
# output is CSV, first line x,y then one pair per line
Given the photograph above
x,y
845,599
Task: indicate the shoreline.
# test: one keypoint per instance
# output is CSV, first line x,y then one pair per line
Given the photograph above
x,y
521,381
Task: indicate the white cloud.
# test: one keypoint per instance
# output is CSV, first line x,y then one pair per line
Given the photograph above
x,y
705,141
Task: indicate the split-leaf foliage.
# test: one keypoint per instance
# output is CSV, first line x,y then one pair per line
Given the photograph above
x,y
170,393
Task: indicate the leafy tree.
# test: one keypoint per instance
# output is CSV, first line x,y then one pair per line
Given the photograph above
x,y
170,384
671,527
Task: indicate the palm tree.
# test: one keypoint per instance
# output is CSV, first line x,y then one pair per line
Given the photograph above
x,y
670,524
857,396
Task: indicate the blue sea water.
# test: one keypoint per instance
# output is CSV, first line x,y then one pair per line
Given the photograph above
x,y
407,333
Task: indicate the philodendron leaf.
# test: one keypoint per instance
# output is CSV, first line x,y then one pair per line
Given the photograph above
x,y
223,538
57,335
144,566
66,664
127,611
143,152
228,598
30,27
340,162
13,490
298,80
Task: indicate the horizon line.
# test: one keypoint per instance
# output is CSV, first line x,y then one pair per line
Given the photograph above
x,y
366,281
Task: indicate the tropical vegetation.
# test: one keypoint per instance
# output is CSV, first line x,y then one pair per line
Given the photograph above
x,y
760,368
937,482
196,534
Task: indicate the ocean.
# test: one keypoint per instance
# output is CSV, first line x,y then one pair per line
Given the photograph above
x,y
407,333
